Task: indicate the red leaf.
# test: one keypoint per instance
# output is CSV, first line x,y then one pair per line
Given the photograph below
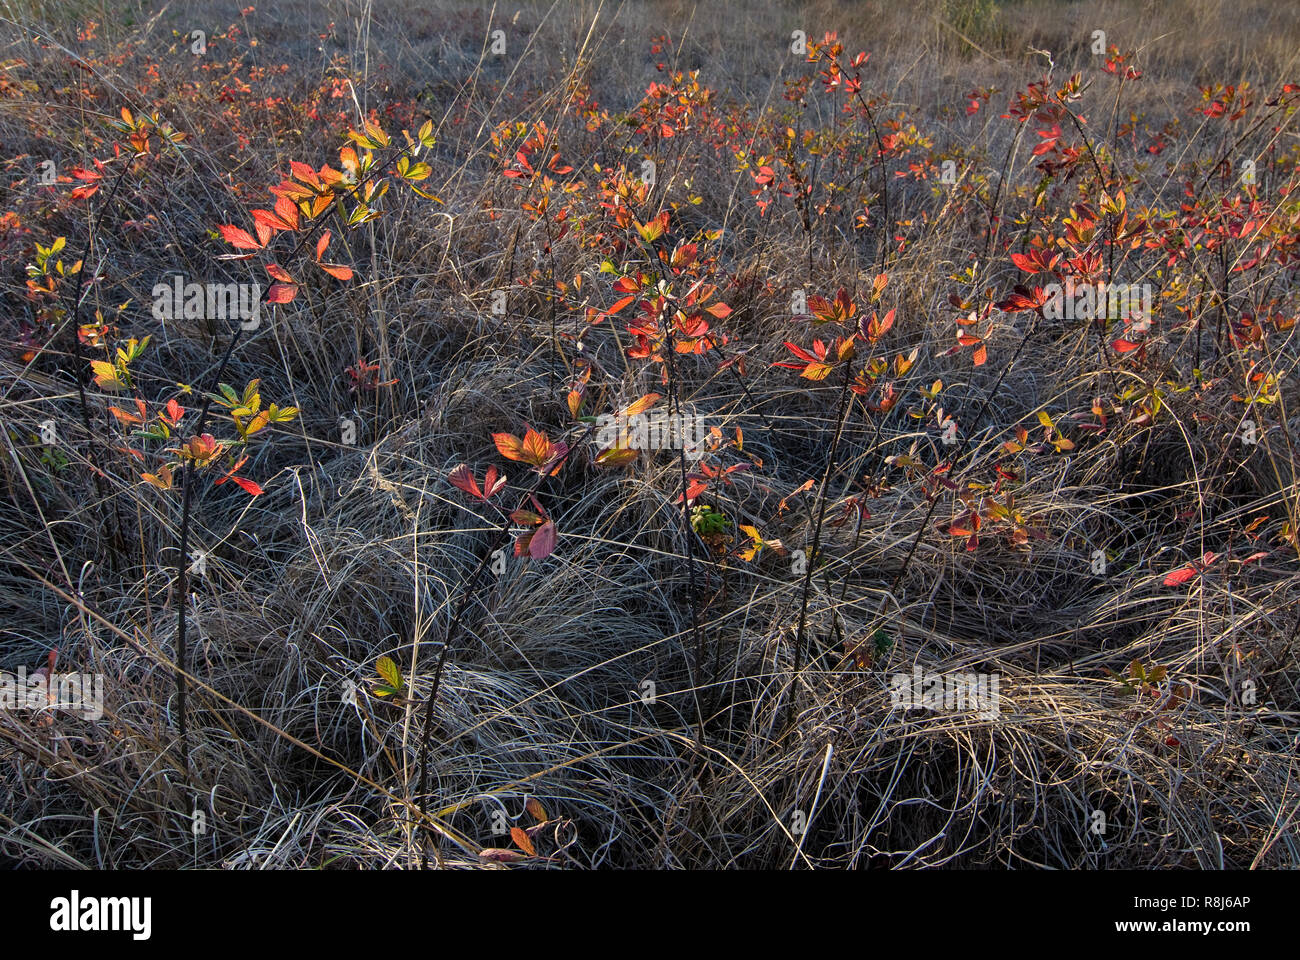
x,y
1180,576
463,478
542,543
500,854
492,483
694,489
281,293
248,486
279,273
240,239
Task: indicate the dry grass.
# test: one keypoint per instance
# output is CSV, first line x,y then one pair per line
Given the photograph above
x,y
360,551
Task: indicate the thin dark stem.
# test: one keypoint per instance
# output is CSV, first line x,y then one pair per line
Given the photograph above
x,y
840,417
688,532
453,632
182,604
187,488
1102,181
72,307
961,451
884,176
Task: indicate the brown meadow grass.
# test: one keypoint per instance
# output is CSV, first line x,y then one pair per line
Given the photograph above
x,y
361,551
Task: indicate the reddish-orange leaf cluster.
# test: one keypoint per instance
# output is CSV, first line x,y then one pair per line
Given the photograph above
x,y
544,455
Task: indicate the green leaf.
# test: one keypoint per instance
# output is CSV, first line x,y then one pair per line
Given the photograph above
x,y
882,641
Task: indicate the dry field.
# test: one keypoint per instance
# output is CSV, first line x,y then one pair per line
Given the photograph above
x,y
649,435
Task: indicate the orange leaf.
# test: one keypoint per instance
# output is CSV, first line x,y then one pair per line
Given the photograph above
x,y
125,417
304,173
337,270
640,406
272,221
509,446
536,448
287,211
615,457
523,841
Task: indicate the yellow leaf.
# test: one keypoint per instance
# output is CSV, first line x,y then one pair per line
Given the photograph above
x,y
376,133
162,479
388,670
106,375
615,457
257,423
